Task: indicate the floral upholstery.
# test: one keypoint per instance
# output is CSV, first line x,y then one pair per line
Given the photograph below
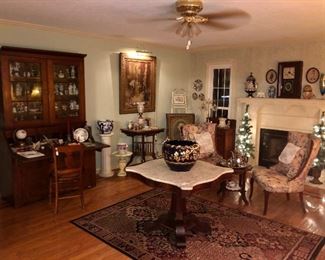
x,y
299,139
273,181
190,130
292,169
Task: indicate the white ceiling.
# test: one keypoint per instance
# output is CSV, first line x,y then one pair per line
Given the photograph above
x,y
270,20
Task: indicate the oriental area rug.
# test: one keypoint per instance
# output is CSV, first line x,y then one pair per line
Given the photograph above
x,y
131,227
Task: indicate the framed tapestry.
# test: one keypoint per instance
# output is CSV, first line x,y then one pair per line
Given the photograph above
x,y
175,123
289,79
137,83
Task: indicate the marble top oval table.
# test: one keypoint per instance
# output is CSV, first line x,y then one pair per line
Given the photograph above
x,y
157,174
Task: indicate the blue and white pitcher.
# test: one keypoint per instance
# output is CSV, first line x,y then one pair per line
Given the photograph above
x,y
105,126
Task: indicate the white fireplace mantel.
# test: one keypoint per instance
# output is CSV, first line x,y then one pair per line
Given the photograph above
x,y
280,114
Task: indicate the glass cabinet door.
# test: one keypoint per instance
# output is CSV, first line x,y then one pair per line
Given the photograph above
x,y
26,88
66,90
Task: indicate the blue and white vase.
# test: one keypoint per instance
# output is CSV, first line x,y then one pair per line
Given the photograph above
x,y
105,127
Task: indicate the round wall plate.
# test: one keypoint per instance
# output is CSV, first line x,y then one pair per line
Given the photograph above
x,y
195,96
198,85
312,75
80,135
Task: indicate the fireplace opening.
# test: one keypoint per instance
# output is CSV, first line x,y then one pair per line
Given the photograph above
x,y
272,142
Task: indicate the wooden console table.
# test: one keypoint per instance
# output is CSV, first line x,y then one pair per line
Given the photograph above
x,y
142,148
182,184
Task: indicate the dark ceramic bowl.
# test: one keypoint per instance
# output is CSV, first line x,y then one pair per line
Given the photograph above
x,y
180,155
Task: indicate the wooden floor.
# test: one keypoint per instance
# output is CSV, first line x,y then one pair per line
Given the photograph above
x,y
34,232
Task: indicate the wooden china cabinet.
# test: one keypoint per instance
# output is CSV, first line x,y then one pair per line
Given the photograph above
x,y
42,92
41,88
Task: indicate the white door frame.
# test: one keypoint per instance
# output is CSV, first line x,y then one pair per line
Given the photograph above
x,y
209,90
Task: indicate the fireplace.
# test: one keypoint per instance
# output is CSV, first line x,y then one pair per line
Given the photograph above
x,y
272,142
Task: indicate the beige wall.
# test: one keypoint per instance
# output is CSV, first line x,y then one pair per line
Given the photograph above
x,y
102,71
258,60
175,69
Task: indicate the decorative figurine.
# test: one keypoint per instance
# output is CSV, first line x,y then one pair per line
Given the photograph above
x,y
61,74
72,72
251,85
308,92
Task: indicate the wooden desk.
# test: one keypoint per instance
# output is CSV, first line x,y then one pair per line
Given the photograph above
x,y
143,148
30,176
182,184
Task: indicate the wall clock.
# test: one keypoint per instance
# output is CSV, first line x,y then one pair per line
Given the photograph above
x,y
289,79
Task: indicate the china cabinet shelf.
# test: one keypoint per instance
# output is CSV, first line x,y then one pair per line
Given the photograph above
x,y
46,86
24,79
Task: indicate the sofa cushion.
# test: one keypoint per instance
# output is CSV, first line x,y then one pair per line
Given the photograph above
x,y
288,153
189,131
205,141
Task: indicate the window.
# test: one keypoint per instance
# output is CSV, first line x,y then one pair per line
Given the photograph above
x,y
220,81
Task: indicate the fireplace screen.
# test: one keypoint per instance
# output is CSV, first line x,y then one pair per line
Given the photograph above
x,y
272,142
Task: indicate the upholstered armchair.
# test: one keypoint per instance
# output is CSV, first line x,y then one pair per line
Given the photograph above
x,y
205,135
288,177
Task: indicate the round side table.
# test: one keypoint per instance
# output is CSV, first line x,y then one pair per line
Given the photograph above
x,y
122,162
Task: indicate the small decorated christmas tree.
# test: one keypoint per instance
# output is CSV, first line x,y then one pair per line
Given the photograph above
x,y
319,162
244,137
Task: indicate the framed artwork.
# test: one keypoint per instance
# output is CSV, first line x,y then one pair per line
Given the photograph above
x,y
137,83
175,123
179,99
312,75
271,76
289,79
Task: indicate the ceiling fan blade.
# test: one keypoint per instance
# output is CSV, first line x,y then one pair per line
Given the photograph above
x,y
218,25
227,14
146,20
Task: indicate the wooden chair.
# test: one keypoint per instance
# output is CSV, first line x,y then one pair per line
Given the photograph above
x,y
272,181
66,178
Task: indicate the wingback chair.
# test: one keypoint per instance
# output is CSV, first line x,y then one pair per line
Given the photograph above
x,y
288,178
201,133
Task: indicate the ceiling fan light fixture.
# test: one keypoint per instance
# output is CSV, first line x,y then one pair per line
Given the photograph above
x,y
196,29
188,45
189,7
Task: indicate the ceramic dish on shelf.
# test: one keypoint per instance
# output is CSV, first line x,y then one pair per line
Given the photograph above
x,y
80,135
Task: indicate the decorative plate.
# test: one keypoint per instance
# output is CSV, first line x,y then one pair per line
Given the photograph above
x,y
201,97
271,76
194,96
21,134
312,75
198,85
80,135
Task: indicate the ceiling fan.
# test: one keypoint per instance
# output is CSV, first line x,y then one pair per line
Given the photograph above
x,y
189,19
